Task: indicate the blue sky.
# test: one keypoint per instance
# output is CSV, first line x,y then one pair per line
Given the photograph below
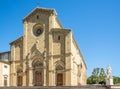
x,y
95,25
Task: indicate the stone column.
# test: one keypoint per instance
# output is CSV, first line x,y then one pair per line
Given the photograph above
x,y
44,55
15,79
30,77
44,77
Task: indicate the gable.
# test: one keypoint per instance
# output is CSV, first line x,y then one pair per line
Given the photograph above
x,y
35,52
40,10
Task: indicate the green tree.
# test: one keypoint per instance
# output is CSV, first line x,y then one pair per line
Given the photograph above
x,y
116,79
102,76
98,76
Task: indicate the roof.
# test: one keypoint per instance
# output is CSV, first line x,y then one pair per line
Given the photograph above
x,y
50,11
4,52
79,51
20,38
6,62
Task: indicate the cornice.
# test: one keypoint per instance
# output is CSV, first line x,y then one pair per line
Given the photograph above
x,y
20,39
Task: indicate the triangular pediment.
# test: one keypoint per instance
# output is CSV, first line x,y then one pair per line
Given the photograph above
x,y
42,10
35,53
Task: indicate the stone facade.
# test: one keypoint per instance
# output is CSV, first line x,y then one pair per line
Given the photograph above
x,y
46,54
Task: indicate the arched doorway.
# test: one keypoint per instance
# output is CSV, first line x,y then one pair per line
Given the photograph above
x,y
5,81
59,75
38,73
19,78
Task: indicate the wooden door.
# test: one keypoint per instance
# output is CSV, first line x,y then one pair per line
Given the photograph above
x,y
19,80
5,81
59,79
38,78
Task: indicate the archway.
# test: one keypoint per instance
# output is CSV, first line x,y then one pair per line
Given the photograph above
x,y
38,73
59,75
19,78
5,80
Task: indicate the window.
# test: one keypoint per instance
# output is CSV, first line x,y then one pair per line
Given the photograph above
x,y
37,16
81,65
58,37
5,66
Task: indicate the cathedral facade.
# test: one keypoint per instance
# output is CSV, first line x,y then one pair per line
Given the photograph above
x,y
46,54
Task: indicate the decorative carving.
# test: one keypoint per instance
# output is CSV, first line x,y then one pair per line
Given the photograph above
x,y
59,67
28,56
35,52
44,54
38,65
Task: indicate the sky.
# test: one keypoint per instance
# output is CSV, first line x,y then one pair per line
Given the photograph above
x,y
94,23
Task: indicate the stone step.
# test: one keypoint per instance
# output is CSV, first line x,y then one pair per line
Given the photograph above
x,y
60,87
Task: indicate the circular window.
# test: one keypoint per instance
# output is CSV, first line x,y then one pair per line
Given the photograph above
x,y
38,32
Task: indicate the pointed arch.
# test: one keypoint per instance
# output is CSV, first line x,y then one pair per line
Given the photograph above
x,y
59,73
59,64
37,63
37,66
59,67
19,76
36,54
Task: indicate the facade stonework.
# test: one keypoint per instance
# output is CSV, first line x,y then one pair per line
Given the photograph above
x,y
46,54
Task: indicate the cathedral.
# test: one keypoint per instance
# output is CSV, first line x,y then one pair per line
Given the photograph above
x,y
46,54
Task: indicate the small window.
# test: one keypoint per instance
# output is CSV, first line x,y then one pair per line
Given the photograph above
x,y
81,65
19,45
5,66
58,37
37,16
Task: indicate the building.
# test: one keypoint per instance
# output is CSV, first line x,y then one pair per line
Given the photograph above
x,y
46,54
4,69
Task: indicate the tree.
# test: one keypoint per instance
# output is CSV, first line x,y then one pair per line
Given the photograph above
x,y
116,79
97,77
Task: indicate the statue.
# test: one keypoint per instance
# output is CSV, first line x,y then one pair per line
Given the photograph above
x,y
109,72
44,55
109,78
28,56
36,44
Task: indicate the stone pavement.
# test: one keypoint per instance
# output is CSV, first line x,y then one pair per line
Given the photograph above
x,y
60,87
66,87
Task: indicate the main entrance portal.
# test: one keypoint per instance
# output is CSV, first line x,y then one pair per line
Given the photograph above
x,y
38,73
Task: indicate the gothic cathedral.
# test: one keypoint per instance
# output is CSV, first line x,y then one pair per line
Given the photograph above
x,y
46,54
